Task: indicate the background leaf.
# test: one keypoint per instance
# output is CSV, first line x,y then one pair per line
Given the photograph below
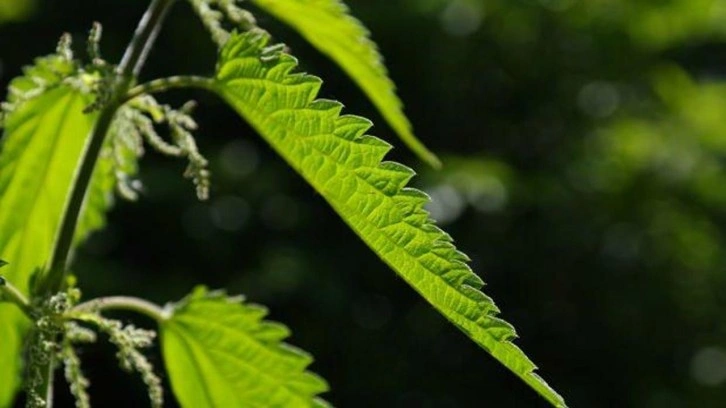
x,y
328,26
220,353
335,156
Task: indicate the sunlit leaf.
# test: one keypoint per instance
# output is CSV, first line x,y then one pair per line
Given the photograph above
x,y
219,352
345,166
328,25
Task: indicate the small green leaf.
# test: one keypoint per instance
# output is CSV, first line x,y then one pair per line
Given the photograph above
x,y
345,166
219,352
2,263
45,134
328,26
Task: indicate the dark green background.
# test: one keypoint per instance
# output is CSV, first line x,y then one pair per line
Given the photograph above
x,y
584,144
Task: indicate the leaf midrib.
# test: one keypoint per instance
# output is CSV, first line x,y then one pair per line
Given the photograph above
x,y
193,356
227,354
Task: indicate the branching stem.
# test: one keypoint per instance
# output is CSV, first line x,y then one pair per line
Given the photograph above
x,y
10,293
129,68
174,82
133,304
144,38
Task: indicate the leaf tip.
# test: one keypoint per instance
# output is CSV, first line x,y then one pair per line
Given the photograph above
x,y
432,160
420,150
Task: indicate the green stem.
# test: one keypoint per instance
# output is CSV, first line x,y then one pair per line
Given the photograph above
x,y
174,82
129,68
133,304
144,38
10,293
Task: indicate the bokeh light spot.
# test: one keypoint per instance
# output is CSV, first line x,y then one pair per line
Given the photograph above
x,y
230,213
446,203
598,99
462,18
708,366
239,159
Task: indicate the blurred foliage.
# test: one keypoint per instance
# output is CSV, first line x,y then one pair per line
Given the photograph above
x,y
15,11
584,146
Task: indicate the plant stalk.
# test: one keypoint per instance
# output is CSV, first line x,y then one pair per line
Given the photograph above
x,y
10,293
173,82
133,304
130,66
127,71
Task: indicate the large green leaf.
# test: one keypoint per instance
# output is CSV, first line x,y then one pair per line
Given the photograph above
x,y
220,353
335,156
328,25
9,360
42,143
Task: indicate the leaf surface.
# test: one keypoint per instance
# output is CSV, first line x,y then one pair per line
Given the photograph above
x,y
329,27
345,166
42,143
219,352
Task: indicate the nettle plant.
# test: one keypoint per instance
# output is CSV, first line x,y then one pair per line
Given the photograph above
x,y
73,132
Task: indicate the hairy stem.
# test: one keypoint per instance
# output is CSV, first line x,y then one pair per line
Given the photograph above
x,y
144,38
133,304
128,69
10,293
174,82
131,64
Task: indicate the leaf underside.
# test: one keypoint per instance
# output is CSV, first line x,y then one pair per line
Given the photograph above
x,y
329,27
219,352
41,146
332,152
